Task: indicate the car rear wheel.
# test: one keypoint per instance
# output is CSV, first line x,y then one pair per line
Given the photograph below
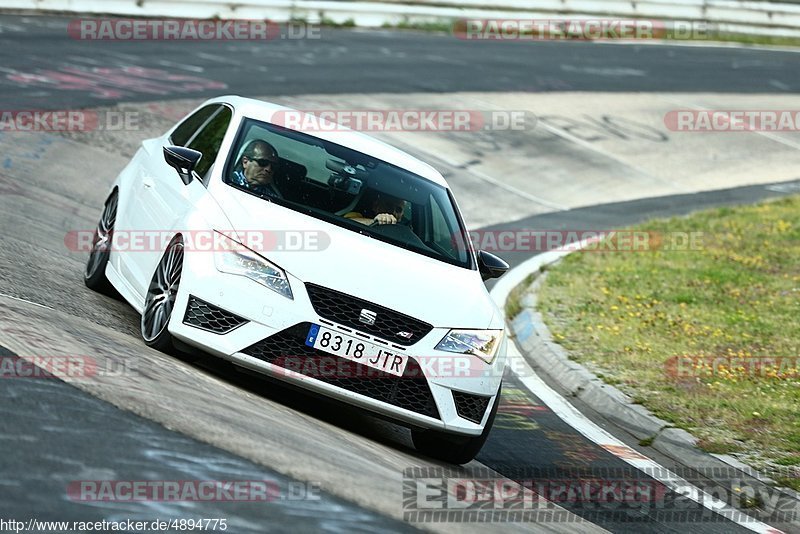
x,y
161,295
449,447
94,276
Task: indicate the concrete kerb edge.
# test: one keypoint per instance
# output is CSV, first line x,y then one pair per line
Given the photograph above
x,y
577,381
550,359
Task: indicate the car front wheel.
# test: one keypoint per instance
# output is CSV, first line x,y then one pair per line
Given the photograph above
x,y
161,295
449,447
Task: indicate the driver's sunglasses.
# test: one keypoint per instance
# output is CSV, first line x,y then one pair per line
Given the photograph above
x,y
263,162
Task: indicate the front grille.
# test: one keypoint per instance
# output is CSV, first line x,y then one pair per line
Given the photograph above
x,y
346,310
287,349
201,314
470,407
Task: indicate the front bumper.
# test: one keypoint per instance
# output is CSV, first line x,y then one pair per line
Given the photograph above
x,y
448,392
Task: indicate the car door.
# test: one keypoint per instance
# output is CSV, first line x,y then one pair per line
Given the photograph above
x,y
136,220
166,199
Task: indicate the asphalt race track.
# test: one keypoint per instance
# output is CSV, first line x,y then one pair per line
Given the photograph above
x,y
371,62
164,418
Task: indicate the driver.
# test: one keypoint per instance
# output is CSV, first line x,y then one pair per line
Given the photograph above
x,y
258,169
385,209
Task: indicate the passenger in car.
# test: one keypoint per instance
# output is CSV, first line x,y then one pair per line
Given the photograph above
x,y
384,209
256,170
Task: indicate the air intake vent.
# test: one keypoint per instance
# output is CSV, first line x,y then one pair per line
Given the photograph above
x,y
205,316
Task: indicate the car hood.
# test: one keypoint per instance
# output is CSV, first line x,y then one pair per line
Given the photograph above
x,y
441,294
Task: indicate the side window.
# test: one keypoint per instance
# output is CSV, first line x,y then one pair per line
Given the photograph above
x,y
209,139
188,127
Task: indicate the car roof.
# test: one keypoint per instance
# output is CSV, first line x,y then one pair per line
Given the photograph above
x,y
264,111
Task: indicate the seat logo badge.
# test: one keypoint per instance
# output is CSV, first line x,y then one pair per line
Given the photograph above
x,y
367,317
406,335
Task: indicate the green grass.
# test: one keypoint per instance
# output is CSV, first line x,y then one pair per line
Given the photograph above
x,y
756,39
630,317
445,27
513,305
349,23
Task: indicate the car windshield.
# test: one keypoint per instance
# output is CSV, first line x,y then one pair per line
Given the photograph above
x,y
349,189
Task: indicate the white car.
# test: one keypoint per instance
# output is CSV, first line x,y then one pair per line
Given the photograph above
x,y
344,267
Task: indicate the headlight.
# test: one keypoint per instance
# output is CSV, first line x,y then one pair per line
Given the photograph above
x,y
481,343
244,262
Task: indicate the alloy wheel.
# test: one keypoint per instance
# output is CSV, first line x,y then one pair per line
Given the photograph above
x,y
161,294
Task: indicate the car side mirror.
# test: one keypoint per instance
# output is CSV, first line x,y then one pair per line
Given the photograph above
x,y
490,266
183,160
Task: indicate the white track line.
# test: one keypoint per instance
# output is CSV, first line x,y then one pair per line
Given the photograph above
x,y
511,189
570,415
586,145
26,301
494,181
767,134
555,130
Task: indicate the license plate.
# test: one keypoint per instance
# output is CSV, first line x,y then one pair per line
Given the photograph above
x,y
356,350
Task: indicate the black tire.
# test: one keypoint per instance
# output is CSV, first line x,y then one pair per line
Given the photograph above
x,y
450,447
94,275
160,299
